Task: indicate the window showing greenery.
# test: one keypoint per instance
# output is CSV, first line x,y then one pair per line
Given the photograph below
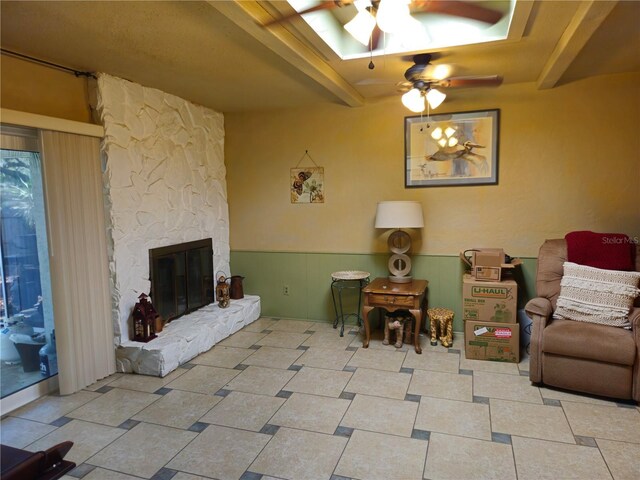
x,y
27,348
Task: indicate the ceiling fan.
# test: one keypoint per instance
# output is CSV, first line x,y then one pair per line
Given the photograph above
x,y
421,82
456,8
381,14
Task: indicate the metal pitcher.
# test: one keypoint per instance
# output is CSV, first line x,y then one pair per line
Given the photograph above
x,y
236,287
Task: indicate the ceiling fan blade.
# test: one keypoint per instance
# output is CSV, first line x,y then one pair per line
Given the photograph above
x,y
315,8
459,9
484,81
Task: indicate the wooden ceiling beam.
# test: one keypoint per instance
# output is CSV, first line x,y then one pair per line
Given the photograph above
x,y
250,16
585,22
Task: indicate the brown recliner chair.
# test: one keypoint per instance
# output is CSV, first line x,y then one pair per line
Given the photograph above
x,y
586,357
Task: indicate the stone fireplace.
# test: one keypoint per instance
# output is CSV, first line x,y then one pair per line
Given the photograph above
x,y
164,177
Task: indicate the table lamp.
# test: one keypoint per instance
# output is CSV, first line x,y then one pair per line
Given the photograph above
x,y
398,215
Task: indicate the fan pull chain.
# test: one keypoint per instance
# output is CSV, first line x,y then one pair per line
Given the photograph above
x,y
371,64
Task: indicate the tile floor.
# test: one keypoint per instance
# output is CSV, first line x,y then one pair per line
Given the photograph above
x,y
287,399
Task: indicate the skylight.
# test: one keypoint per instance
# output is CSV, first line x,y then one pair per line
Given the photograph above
x,y
440,30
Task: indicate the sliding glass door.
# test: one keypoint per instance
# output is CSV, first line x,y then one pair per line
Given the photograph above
x,y
27,348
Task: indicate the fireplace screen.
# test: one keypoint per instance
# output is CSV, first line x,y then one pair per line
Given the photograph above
x,y
181,277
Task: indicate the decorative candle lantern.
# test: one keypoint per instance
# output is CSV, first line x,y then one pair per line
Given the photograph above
x,y
222,292
158,321
144,319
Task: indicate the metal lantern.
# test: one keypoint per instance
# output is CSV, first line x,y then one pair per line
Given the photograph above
x,y
144,320
222,292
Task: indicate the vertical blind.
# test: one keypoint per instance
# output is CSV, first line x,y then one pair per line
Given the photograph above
x,y
78,259
18,138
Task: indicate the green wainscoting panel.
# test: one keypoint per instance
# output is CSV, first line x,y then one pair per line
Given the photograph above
x,y
308,278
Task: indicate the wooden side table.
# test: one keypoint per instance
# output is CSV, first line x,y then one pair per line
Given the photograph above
x,y
395,296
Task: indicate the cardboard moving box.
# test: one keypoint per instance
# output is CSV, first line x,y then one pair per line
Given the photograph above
x,y
487,257
489,301
489,274
489,264
492,341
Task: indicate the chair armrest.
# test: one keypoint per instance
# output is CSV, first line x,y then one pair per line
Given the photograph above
x,y
539,310
634,319
538,306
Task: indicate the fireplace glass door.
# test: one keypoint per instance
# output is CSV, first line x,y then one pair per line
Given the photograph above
x,y
181,277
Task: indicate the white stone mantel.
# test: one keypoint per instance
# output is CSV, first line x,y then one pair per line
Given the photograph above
x,y
165,183
187,337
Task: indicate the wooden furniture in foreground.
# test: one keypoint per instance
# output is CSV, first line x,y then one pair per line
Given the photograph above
x,y
382,293
18,464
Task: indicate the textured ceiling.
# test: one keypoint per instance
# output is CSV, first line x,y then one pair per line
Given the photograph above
x,y
205,52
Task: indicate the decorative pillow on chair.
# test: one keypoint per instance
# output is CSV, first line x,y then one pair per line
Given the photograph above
x,y
589,294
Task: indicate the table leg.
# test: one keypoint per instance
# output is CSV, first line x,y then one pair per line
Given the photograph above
x,y
362,284
341,313
367,332
335,305
418,316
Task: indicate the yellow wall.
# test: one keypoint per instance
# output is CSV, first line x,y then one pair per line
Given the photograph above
x,y
32,88
569,160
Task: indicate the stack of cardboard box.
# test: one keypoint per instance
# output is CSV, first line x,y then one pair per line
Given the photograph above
x,y
489,305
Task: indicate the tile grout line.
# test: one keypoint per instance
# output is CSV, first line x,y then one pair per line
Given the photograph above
x,y
350,405
513,458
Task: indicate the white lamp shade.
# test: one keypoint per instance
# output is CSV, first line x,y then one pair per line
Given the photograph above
x,y
392,15
412,33
361,26
399,214
414,100
435,98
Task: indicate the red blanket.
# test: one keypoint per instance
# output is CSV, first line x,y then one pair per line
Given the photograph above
x,y
611,251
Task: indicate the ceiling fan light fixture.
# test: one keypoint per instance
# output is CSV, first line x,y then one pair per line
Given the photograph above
x,y
361,26
435,98
440,72
362,5
411,34
392,15
414,100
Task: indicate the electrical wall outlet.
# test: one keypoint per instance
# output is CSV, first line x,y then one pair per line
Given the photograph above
x,y
285,289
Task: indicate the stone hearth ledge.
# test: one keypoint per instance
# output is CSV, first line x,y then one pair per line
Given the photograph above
x,y
187,337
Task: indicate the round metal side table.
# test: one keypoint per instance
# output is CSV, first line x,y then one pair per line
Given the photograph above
x,y
347,280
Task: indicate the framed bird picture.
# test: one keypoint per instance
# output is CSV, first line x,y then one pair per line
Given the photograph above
x,y
307,184
452,149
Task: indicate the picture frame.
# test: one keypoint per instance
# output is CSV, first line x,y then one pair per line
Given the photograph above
x,y
452,149
306,185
